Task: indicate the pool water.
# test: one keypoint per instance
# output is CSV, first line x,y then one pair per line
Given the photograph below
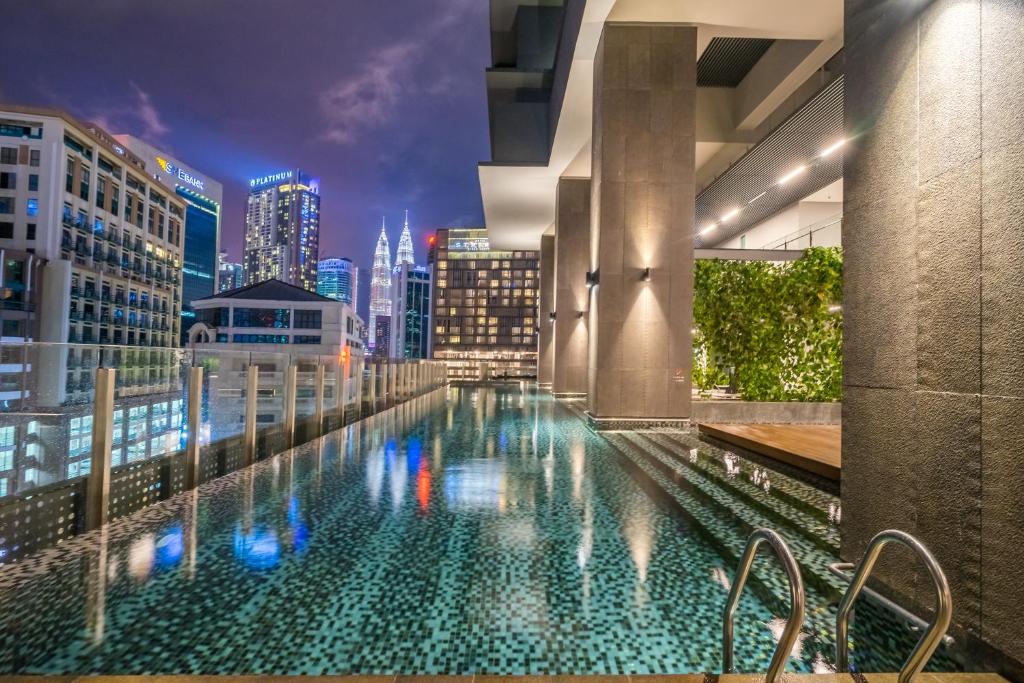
x,y
479,530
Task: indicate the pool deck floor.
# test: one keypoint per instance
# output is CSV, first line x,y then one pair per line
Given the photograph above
x,y
814,448
683,678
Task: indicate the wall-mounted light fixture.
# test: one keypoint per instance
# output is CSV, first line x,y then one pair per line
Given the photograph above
x,y
593,278
551,316
646,277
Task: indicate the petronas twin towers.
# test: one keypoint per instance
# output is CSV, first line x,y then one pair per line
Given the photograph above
x,y
380,285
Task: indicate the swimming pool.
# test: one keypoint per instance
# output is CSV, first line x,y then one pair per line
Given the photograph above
x,y
478,530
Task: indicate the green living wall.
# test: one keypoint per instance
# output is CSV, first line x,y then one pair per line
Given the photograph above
x,y
778,326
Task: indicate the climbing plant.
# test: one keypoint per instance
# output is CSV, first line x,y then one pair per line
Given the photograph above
x,y
772,330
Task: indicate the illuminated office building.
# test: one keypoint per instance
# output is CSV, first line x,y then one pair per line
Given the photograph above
x,y
485,306
203,198
405,252
229,275
108,239
410,311
338,278
282,229
380,285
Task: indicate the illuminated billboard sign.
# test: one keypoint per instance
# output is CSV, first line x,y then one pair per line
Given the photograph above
x,y
270,179
180,174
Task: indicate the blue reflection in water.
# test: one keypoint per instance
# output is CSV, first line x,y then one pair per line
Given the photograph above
x,y
258,548
413,452
299,530
170,548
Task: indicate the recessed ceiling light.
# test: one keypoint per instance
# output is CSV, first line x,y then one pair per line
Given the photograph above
x,y
832,148
730,214
792,174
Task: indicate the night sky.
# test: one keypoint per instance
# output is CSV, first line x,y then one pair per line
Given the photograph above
x,y
383,100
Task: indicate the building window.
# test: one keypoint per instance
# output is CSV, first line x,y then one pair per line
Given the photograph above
x,y
307,320
261,317
302,339
8,155
33,182
6,230
30,231
33,157
83,183
6,204
260,338
101,191
8,181
32,207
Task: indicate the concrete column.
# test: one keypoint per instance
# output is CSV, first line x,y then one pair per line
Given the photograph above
x,y
933,391
194,411
252,382
546,305
642,206
97,495
572,297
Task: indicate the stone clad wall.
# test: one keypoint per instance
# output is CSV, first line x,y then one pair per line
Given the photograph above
x,y
933,233
642,213
572,250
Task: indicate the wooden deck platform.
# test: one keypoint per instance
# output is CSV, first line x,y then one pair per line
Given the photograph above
x,y
814,448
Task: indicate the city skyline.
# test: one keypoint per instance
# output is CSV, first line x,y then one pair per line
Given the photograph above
x,y
375,121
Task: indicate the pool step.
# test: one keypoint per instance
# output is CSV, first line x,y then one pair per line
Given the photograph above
x,y
753,486
799,494
724,517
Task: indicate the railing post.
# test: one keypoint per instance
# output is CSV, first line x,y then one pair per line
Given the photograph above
x,y
291,374
359,387
318,393
392,381
195,412
252,382
341,387
400,394
371,389
384,388
98,484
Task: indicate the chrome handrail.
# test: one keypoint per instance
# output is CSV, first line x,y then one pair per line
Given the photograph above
x,y
796,597
931,638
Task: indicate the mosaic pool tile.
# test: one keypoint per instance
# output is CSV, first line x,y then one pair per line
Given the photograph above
x,y
482,531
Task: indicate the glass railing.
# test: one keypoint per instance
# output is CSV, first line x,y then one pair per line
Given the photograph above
x,y
826,233
58,427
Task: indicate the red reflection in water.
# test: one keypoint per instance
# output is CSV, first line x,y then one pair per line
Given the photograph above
x,y
423,487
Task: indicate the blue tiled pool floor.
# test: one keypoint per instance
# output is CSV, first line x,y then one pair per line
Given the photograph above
x,y
482,531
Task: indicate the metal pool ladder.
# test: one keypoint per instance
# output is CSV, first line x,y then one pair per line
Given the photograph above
x,y
796,599
931,638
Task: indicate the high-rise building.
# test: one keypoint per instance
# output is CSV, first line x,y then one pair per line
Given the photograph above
x,y
380,285
229,275
92,254
361,293
485,306
405,254
203,198
382,335
410,311
338,279
282,229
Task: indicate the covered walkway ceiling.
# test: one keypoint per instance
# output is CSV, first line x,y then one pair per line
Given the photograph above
x,y
519,200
